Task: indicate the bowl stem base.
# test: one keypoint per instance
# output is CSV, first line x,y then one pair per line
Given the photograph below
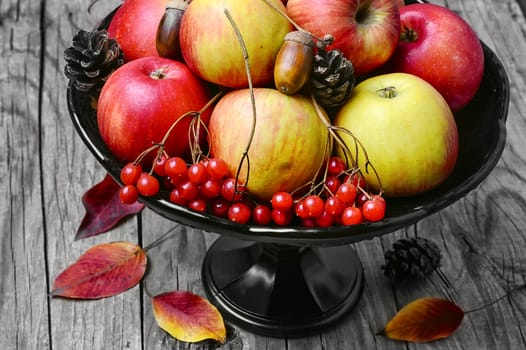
x,y
280,290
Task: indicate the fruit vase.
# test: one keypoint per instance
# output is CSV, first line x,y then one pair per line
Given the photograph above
x,y
292,281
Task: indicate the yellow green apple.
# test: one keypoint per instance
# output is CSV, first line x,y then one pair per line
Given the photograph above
x,y
407,129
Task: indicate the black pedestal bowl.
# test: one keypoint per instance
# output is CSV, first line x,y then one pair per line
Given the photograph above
x,y
290,281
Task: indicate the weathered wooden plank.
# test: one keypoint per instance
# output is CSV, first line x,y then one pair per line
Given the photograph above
x,y
23,289
68,170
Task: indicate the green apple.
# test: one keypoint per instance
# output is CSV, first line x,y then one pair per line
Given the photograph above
x,y
288,144
407,129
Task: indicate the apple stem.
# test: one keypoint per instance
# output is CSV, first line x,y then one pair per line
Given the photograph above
x,y
387,92
408,35
334,130
160,73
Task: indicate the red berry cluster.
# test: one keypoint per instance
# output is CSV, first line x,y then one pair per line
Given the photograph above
x,y
344,200
207,186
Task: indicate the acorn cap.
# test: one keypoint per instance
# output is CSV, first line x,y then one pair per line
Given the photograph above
x,y
301,37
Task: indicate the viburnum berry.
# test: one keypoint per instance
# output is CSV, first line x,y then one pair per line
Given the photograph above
x,y
333,206
357,180
231,191
262,214
239,212
351,216
175,197
324,220
211,188
198,204
197,173
308,222
336,166
361,198
332,184
128,194
314,205
175,167
188,190
217,168
130,173
158,167
148,185
282,217
219,207
300,210
374,209
282,201
346,193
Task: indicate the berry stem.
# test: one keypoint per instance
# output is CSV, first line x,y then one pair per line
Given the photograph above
x,y
333,131
252,98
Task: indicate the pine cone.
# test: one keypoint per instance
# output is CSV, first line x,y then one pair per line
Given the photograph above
x,y
91,60
411,259
332,78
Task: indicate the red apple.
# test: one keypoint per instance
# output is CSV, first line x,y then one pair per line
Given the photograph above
x,y
407,130
288,146
134,26
212,50
140,101
366,31
439,46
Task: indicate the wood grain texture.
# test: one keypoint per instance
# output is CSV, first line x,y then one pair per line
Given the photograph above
x,y
23,289
45,168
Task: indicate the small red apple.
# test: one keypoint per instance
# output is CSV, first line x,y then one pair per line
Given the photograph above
x,y
212,50
134,26
140,101
288,145
439,46
366,31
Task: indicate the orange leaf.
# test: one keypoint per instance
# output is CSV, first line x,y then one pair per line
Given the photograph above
x,y
188,317
102,271
424,320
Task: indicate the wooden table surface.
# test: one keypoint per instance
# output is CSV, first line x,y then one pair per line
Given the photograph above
x,y
45,168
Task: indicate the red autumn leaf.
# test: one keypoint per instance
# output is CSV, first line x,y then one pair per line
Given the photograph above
x,y
188,317
102,271
424,320
104,209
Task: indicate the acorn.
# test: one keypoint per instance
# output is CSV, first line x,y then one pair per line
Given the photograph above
x,y
294,62
167,38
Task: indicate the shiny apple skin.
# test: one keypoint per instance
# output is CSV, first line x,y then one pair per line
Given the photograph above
x,y
447,53
135,110
134,26
366,31
411,139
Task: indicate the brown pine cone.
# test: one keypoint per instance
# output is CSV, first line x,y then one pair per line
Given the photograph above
x,y
332,78
411,259
91,59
